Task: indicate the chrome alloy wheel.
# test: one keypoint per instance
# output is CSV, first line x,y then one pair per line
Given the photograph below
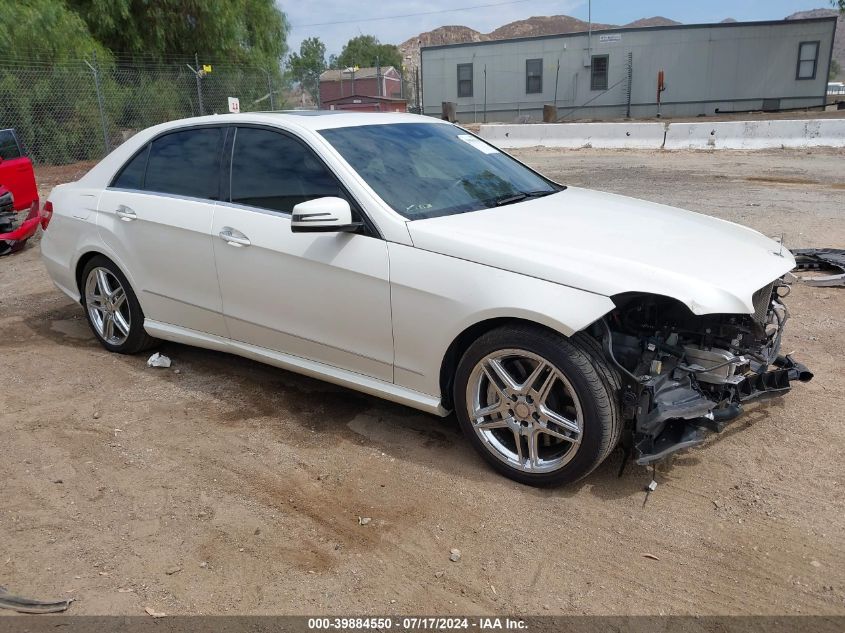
x,y
524,410
107,306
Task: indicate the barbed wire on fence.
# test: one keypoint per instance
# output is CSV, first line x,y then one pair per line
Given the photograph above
x,y
81,109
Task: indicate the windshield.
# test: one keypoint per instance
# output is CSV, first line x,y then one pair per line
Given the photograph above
x,y
426,170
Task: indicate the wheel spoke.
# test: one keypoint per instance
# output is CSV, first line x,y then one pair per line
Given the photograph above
x,y
94,301
527,385
492,424
108,326
517,438
545,389
103,283
118,298
534,449
500,406
121,323
557,420
500,378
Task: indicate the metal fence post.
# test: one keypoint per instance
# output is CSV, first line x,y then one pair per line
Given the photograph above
x,y
270,89
95,71
199,84
485,93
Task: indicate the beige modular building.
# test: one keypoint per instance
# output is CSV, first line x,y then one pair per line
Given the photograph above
x,y
613,73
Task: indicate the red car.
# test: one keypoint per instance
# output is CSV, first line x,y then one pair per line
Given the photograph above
x,y
19,208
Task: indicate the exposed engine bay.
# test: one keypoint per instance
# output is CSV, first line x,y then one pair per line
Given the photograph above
x,y
684,375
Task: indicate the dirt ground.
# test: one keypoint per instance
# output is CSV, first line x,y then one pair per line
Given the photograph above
x,y
225,486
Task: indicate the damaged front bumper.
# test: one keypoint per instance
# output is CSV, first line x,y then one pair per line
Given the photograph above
x,y
686,376
16,227
688,422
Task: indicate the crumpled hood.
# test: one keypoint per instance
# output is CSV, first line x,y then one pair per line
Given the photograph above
x,y
609,244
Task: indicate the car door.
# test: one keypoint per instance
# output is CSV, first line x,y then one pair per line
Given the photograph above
x,y
16,173
319,296
156,217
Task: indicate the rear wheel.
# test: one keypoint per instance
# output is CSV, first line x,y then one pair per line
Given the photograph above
x,y
112,309
540,408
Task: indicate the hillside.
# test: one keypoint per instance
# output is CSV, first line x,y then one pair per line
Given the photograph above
x,y
536,25
839,40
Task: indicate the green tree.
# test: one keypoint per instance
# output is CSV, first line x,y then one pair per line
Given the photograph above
x,y
839,3
367,51
306,66
45,31
251,31
835,69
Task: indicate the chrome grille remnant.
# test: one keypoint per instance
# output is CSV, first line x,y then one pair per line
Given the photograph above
x,y
762,300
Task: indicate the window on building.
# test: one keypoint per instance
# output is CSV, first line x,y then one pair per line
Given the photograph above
x,y
132,174
464,80
276,172
598,72
808,60
533,76
186,163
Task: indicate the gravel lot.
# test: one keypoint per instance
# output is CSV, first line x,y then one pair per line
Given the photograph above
x,y
232,487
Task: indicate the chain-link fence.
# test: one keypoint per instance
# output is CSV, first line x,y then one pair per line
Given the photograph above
x,y
82,109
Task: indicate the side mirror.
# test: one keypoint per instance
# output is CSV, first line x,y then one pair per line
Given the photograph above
x,y
323,215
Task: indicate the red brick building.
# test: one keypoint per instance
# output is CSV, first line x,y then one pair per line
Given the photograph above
x,y
364,82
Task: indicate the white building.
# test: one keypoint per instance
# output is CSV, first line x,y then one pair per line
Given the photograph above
x,y
707,67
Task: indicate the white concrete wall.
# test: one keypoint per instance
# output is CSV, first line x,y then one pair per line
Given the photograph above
x,y
748,135
574,135
756,134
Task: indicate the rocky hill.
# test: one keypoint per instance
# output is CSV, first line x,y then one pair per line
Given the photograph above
x,y
838,41
537,25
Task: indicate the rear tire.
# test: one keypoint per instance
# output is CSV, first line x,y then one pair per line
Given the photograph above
x,y
540,408
112,309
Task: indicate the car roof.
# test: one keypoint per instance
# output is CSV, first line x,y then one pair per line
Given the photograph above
x,y
307,119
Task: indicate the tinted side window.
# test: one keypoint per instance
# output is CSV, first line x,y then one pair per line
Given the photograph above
x,y
186,163
273,171
8,145
132,174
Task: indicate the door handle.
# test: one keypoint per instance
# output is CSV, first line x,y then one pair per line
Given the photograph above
x,y
233,237
125,213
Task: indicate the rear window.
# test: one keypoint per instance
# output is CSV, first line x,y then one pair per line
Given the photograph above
x,y
186,163
9,145
132,174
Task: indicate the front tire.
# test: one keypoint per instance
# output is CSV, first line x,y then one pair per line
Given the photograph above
x,y
540,408
112,309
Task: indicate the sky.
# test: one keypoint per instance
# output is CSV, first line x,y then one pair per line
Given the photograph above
x,y
310,18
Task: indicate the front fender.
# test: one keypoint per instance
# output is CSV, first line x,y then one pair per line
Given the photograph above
x,y
437,297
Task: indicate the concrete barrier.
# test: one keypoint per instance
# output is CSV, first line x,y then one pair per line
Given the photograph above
x,y
576,135
756,134
748,135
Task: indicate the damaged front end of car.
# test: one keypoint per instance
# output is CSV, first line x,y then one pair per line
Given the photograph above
x,y
685,375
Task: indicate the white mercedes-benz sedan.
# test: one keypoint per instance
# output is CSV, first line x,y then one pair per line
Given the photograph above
x,y
407,258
